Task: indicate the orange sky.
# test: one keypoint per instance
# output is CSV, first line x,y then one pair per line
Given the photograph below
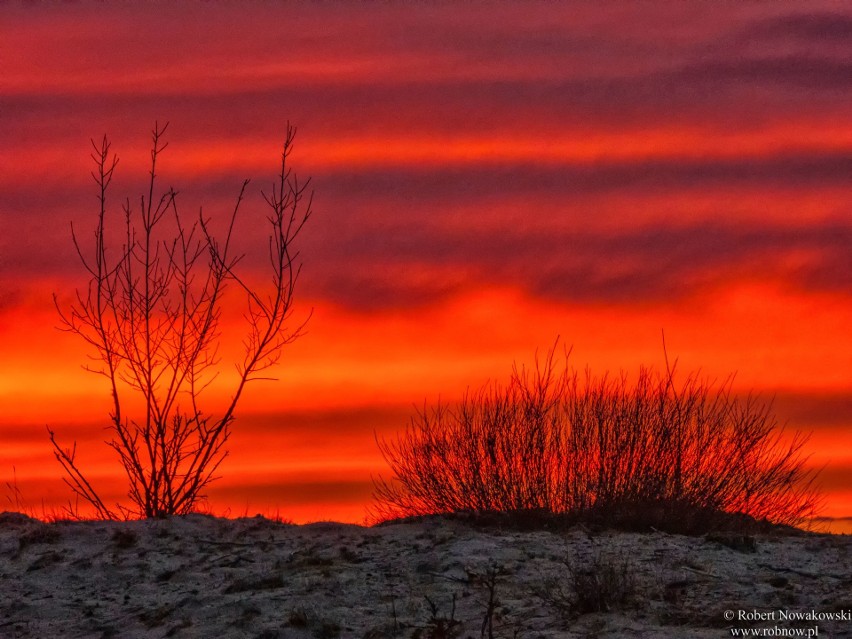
x,y
486,179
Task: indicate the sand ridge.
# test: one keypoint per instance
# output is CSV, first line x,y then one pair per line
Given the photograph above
x,y
200,576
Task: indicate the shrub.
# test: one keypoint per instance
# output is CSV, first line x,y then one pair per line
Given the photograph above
x,y
39,533
553,441
124,538
605,583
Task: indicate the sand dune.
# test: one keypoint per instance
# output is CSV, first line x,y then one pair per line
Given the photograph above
x,y
199,576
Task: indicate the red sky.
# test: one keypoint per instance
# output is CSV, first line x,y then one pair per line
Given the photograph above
x,y
486,177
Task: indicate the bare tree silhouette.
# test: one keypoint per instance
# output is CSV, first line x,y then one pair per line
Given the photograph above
x,y
656,451
151,313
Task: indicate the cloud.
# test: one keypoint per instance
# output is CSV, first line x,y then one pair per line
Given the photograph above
x,y
383,71
293,491
816,27
11,295
797,71
797,53
639,176
835,477
422,264
818,411
405,236
353,424
400,232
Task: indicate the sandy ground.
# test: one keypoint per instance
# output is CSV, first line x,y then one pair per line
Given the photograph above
x,y
198,576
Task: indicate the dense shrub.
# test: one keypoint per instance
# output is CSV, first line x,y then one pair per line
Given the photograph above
x,y
556,441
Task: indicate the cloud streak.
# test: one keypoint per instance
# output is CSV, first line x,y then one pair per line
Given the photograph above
x,y
646,264
433,249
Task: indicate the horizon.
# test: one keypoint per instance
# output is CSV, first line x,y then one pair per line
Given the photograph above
x,y
486,178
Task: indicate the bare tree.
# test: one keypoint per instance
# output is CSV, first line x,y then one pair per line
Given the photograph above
x,y
151,313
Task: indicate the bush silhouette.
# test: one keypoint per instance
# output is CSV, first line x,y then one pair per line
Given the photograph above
x,y
603,448
151,311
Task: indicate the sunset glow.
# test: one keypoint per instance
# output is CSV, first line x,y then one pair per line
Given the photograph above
x,y
487,179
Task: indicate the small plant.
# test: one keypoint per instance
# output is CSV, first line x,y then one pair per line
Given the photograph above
x,y
327,630
311,558
738,542
321,629
298,618
255,583
488,580
156,616
124,538
248,613
605,583
15,497
439,626
347,554
39,533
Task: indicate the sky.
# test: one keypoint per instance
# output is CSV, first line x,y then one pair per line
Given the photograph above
x,y
487,177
